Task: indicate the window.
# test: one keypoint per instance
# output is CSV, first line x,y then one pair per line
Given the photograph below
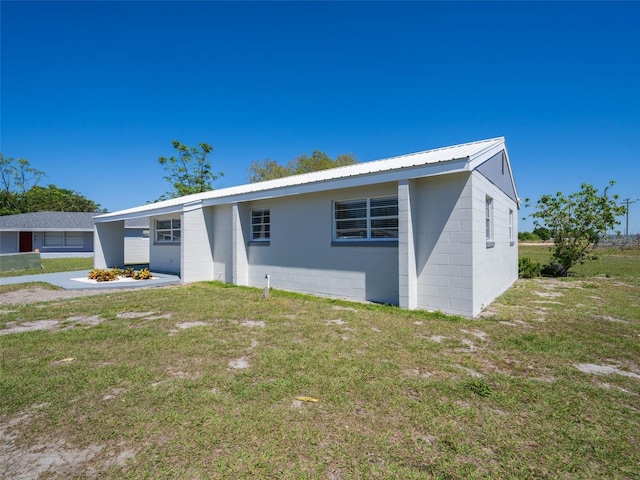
x,y
63,239
489,218
511,226
168,231
260,225
366,219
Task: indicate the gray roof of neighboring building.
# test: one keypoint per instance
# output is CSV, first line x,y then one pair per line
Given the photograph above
x,y
69,221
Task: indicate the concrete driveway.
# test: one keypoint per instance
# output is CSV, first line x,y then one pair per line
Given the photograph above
x,y
77,280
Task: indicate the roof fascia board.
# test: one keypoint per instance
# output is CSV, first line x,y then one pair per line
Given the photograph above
x,y
146,213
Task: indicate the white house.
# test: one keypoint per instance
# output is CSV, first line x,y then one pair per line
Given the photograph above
x,y
432,230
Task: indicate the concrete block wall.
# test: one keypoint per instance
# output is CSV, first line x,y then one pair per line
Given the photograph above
x,y
196,252
300,255
495,268
163,257
443,240
109,244
222,242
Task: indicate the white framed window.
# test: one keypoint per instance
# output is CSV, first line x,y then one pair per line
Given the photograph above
x,y
366,219
168,230
511,226
63,239
261,225
488,218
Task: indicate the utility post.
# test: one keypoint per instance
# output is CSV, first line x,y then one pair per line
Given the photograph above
x,y
627,202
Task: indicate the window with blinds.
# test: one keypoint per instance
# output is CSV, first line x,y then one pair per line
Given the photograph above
x,y
366,219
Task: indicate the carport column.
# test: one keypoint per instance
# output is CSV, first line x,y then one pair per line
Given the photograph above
x,y
238,246
407,276
108,244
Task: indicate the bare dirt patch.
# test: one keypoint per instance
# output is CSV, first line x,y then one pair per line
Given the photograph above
x,y
51,325
51,457
604,370
26,296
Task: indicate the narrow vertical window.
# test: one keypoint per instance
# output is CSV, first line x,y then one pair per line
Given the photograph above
x,y
511,226
489,219
260,225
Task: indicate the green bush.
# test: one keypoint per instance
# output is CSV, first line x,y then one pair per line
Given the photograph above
x,y
527,268
528,237
553,269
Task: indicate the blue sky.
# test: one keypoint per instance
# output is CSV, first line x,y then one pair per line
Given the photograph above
x,y
94,92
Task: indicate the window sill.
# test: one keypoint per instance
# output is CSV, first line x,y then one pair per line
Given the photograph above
x,y
259,243
491,244
166,243
365,243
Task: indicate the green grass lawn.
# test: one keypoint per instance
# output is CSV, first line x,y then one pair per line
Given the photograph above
x,y
200,381
53,265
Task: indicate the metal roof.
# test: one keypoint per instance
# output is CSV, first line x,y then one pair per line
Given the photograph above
x,y
469,153
56,221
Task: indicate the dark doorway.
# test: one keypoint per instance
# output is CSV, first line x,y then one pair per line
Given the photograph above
x,y
26,244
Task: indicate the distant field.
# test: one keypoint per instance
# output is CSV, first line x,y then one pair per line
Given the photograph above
x,y
208,381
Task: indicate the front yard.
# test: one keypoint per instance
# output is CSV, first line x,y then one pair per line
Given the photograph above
x,y
208,381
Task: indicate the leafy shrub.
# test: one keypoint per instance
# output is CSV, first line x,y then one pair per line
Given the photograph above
x,y
553,269
143,274
528,237
101,275
543,233
527,268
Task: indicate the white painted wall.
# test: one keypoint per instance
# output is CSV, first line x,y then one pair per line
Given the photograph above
x,y
109,244
163,257
495,269
300,256
197,239
443,243
136,247
222,242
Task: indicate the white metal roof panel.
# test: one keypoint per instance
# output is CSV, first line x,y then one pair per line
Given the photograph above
x,y
467,151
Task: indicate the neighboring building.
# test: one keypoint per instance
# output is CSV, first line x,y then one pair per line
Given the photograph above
x,y
432,230
68,233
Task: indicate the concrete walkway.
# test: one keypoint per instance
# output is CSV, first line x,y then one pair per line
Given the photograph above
x,y
74,281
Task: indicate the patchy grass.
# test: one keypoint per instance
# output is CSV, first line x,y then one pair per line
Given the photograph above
x,y
200,381
53,265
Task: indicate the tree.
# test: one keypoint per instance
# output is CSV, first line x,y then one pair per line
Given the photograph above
x,y
20,192
54,199
543,233
270,169
576,222
188,172
16,178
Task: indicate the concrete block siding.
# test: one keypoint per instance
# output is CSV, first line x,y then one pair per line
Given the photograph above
x,y
300,255
441,259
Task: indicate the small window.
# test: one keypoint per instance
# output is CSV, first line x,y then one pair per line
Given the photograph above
x,y
511,226
168,231
260,225
489,218
366,219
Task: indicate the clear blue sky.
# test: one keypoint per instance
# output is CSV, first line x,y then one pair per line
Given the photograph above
x,y
94,92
